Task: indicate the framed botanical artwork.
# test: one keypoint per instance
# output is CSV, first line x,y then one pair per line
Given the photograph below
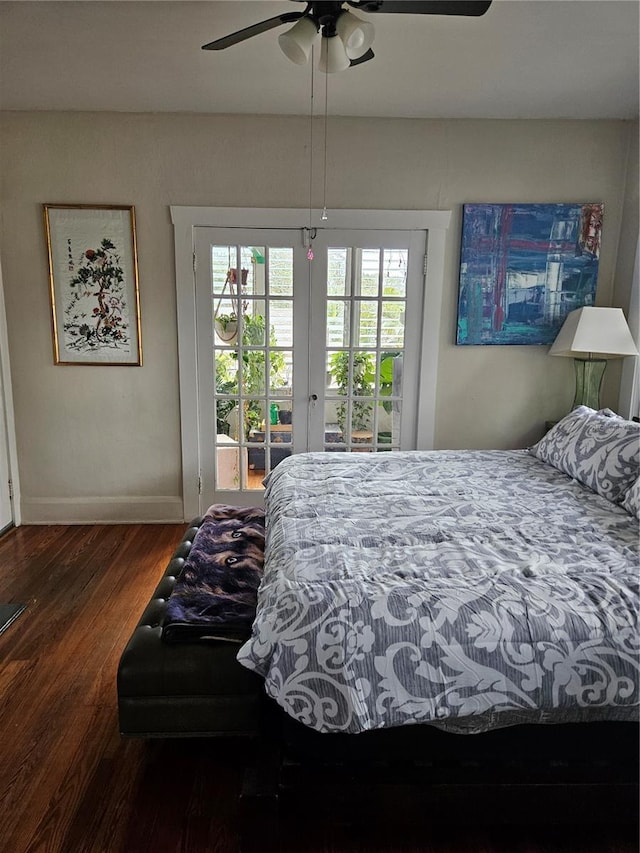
x,y
523,268
93,281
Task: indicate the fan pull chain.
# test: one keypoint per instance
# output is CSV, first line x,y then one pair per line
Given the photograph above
x,y
326,111
310,230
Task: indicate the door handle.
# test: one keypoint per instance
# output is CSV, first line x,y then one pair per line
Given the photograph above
x,y
313,398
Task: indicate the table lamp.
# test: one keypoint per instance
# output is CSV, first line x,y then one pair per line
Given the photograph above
x,y
591,336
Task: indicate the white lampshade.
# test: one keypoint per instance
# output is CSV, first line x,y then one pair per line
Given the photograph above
x,y
333,56
296,43
594,331
357,35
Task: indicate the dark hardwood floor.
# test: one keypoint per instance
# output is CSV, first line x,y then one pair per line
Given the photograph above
x,y
70,784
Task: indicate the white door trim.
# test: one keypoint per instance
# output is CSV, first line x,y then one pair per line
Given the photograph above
x,y
287,217
185,219
10,422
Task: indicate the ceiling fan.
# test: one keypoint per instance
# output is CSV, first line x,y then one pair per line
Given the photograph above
x,y
346,38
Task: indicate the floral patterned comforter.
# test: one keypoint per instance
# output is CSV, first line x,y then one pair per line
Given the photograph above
x,y
465,589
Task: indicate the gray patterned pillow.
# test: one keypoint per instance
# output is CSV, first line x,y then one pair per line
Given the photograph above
x,y
608,413
600,451
631,500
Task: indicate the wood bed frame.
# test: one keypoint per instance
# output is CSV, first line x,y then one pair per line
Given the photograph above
x,y
541,774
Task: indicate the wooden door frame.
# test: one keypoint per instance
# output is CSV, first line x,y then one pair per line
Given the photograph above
x,y
186,219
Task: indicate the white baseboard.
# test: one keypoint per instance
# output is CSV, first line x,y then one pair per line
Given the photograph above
x,y
121,510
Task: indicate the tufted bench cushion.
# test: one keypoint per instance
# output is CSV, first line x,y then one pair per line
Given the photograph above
x,y
183,690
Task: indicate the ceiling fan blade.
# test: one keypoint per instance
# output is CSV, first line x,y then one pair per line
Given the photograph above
x,y
364,58
424,7
254,30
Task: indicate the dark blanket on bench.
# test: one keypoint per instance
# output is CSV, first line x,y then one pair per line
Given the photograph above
x,y
214,597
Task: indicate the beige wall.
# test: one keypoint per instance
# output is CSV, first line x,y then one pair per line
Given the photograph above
x,y
104,442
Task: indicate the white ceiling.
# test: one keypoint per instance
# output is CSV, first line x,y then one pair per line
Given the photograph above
x,y
522,59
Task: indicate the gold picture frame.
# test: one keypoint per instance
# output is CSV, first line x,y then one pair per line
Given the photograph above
x,y
93,284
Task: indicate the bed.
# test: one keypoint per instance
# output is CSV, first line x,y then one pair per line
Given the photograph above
x,y
477,593
456,626
465,589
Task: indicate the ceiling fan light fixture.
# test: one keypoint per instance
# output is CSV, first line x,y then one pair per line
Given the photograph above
x,y
296,43
333,56
356,35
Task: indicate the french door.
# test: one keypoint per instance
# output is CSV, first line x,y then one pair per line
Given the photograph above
x,y
303,345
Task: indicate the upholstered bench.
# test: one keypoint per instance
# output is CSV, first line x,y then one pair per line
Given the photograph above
x,y
188,689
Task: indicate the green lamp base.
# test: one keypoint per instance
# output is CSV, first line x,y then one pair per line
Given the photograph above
x,y
589,373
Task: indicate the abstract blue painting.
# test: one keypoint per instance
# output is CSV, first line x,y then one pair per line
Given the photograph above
x,y
523,268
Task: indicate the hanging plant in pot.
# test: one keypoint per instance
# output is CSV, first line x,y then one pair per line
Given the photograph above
x,y
227,327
